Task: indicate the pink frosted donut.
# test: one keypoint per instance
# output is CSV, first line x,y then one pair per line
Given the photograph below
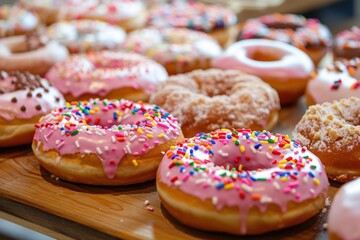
x,y
107,74
284,67
24,98
344,214
179,50
337,81
347,43
241,182
105,142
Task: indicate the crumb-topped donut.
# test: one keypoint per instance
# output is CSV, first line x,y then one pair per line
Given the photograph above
x,y
179,50
107,74
105,142
15,20
284,67
344,214
332,132
238,100
32,53
241,182
217,21
127,14
24,98
85,35
347,44
336,81
309,35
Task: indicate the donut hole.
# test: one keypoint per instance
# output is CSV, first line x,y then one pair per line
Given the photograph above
x,y
240,162
283,25
116,63
265,54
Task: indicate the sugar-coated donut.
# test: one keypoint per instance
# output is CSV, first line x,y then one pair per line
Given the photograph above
x,y
179,50
344,214
86,35
24,98
127,14
309,35
332,132
105,142
15,20
107,74
215,20
336,81
30,53
238,100
241,182
284,67
347,44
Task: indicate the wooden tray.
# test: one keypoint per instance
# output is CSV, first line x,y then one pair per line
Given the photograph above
x,y
120,211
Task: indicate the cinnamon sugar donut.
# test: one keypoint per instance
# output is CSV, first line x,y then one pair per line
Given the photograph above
x,y
332,132
86,35
239,100
347,44
30,53
179,50
215,20
24,98
105,142
15,20
309,35
107,74
334,82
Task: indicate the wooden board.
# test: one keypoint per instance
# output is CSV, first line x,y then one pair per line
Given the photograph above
x,y
116,211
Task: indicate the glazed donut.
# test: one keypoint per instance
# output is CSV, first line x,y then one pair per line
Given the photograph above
x,y
86,35
24,98
337,81
179,50
15,20
238,100
241,182
106,74
284,67
347,44
217,21
30,53
344,215
127,14
332,132
105,142
309,35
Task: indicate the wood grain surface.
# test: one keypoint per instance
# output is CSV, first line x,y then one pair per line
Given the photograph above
x,y
87,212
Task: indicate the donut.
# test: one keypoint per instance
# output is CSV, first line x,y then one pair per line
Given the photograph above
x,y
336,81
15,20
332,132
284,67
127,14
30,53
344,215
217,21
347,44
238,100
309,35
241,182
24,98
179,50
86,35
106,74
105,142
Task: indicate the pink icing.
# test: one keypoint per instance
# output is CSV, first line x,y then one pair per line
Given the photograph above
x,y
348,38
292,63
108,129
208,167
336,82
344,215
101,72
25,103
